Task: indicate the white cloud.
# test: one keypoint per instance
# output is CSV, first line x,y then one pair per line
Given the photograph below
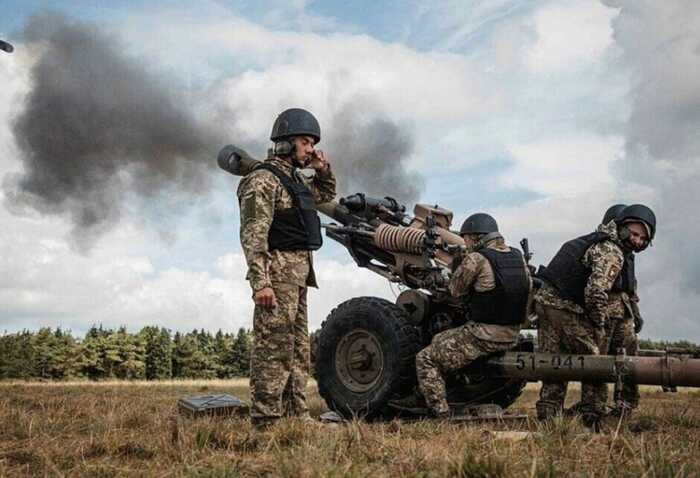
x,y
570,35
564,167
339,282
44,282
319,71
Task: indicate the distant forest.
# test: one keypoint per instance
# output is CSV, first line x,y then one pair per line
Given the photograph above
x,y
152,354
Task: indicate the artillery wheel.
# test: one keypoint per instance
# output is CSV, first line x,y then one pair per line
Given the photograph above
x,y
476,389
365,356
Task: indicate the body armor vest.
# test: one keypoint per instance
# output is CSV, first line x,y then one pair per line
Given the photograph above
x,y
627,280
298,227
568,274
506,304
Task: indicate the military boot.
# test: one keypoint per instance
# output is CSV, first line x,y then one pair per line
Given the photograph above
x,y
547,411
414,404
621,409
592,416
591,420
263,423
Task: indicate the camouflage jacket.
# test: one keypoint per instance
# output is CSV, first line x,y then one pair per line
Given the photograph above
x,y
475,273
260,194
623,305
605,260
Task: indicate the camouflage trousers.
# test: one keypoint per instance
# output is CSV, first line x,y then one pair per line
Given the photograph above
x,y
279,367
563,331
449,351
620,334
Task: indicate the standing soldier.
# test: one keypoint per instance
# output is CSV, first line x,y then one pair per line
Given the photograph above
x,y
573,306
496,282
623,324
279,229
624,320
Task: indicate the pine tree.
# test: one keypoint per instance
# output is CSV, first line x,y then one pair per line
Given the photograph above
x,y
223,344
158,347
131,364
43,353
53,354
177,356
89,363
16,356
240,353
192,360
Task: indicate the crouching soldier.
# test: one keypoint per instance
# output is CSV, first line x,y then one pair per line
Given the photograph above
x,y
573,306
496,282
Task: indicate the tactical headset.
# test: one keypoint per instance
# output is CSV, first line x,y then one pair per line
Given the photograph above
x,y
487,238
284,148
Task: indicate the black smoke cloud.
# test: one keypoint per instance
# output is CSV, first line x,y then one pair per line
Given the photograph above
x,y
370,152
97,127
100,128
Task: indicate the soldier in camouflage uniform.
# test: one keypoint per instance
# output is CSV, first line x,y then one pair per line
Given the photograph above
x,y
624,322
573,306
279,229
496,282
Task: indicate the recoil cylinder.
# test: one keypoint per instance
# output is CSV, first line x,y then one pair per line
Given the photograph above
x,y
399,239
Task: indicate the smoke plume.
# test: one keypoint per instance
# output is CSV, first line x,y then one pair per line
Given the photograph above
x,y
99,129
370,154
98,126
660,44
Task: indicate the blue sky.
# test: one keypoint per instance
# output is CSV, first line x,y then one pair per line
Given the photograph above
x,y
528,110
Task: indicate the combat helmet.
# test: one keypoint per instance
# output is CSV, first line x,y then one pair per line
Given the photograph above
x,y
636,213
295,122
612,212
479,223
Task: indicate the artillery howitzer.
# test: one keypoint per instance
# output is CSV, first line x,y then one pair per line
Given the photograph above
x,y
365,352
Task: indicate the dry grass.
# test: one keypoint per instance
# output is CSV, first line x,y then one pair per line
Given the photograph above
x,y
132,429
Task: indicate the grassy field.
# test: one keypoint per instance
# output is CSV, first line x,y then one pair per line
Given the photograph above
x,y
133,429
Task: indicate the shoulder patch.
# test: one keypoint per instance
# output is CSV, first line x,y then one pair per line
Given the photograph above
x,y
613,271
248,206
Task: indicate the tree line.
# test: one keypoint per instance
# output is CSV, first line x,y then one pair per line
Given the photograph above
x,y
153,353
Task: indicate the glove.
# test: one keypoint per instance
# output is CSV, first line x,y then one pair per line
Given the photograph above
x,y
638,324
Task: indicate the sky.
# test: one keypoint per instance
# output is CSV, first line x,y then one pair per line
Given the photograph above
x,y
542,113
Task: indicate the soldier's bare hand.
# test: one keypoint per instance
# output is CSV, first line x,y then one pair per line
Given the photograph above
x,y
319,161
265,298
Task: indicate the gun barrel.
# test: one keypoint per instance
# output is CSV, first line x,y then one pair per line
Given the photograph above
x,y
360,203
668,370
335,211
